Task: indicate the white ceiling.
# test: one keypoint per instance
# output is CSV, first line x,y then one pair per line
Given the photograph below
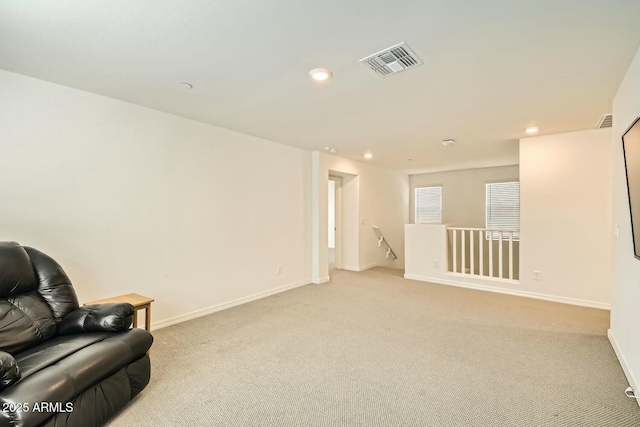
x,y
491,68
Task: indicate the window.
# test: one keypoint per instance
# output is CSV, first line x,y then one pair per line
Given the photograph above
x,y
428,202
503,208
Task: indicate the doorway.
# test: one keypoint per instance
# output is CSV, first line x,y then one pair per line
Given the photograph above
x,y
334,223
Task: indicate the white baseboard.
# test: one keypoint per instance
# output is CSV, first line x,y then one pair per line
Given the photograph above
x,y
623,363
362,268
320,280
546,297
219,307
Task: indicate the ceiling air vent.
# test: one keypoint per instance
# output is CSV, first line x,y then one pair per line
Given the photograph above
x,y
606,121
392,60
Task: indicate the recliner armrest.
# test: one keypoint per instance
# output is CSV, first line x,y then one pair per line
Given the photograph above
x,y
9,370
97,318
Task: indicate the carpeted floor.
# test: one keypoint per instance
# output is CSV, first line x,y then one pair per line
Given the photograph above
x,y
372,349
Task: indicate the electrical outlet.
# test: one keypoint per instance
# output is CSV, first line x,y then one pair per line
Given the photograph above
x,y
617,231
436,264
536,274
279,270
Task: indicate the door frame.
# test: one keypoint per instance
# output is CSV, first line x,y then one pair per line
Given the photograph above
x,y
338,220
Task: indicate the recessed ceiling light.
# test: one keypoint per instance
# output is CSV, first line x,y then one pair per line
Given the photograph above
x,y
448,142
531,130
368,155
320,74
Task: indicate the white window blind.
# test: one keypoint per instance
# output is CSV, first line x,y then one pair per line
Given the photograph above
x,y
503,208
428,202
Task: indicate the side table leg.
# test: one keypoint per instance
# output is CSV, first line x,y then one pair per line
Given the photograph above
x,y
135,317
147,318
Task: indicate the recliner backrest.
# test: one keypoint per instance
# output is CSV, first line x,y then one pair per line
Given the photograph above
x,y
35,294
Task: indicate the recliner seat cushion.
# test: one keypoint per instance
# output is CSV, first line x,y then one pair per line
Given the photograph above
x,y
76,352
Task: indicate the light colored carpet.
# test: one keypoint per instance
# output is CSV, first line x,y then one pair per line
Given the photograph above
x,y
372,349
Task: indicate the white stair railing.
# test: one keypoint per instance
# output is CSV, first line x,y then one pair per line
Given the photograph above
x,y
383,241
481,241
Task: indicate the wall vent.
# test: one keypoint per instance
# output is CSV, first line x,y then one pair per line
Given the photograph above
x,y
606,121
392,60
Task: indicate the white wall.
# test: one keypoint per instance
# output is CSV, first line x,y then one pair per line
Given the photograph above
x,y
370,196
129,199
425,248
565,215
625,298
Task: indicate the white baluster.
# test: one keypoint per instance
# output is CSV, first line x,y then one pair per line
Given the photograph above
x,y
511,255
472,258
500,256
490,253
455,251
464,252
481,249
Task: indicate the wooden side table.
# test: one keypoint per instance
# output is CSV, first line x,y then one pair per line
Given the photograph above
x,y
137,301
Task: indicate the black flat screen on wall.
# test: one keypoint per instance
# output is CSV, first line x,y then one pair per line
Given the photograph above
x,y
631,149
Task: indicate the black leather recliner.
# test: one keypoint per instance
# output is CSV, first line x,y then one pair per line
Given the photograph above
x,y
60,364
